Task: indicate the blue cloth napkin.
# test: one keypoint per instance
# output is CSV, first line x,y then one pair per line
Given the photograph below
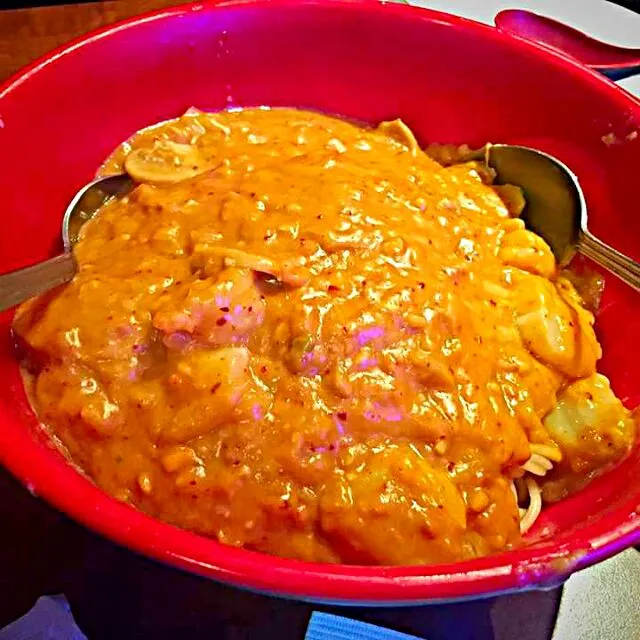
x,y
324,626
49,619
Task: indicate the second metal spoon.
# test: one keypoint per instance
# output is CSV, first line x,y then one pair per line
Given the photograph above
x,y
556,208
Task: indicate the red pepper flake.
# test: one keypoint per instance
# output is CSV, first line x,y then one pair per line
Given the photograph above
x,y
332,287
215,387
250,309
421,285
224,309
221,321
263,369
342,415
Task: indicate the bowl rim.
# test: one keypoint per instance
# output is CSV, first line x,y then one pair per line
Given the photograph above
x,y
45,473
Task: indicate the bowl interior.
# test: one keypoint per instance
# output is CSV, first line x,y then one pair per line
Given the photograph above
x,y
451,81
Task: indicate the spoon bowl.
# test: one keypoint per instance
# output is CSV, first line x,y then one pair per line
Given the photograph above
x,y
556,208
88,200
18,286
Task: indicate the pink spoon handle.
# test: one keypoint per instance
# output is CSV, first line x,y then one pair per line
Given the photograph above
x,y
614,62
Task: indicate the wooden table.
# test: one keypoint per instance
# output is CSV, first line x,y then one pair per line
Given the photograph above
x,y
26,34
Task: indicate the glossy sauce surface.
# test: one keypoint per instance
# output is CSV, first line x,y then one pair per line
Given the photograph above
x,y
308,338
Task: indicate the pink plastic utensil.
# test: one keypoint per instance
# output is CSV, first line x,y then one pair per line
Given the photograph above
x,y
614,62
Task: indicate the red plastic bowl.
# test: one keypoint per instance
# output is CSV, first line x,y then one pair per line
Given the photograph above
x,y
450,80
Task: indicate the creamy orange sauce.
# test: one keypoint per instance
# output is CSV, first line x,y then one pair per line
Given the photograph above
x,y
308,338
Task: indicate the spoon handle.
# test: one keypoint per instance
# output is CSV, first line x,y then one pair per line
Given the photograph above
x,y
626,269
18,286
614,62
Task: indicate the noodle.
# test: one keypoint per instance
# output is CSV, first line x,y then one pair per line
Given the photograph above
x,y
534,508
547,451
530,466
539,464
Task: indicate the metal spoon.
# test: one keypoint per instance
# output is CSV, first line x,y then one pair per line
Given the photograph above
x,y
555,207
18,286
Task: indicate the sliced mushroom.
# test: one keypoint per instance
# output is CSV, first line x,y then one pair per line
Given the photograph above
x,y
400,132
167,162
450,154
289,271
